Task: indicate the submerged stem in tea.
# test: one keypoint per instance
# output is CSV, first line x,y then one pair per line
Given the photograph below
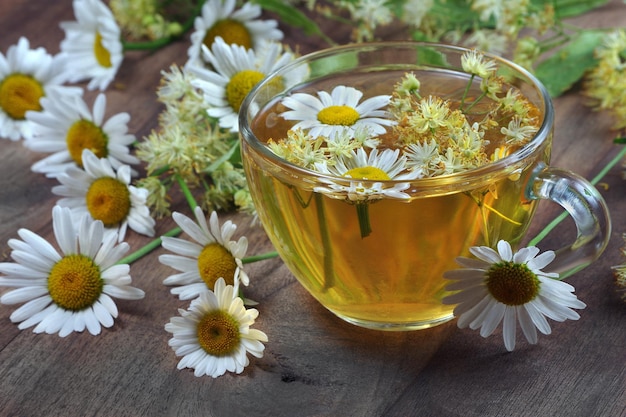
x,y
366,150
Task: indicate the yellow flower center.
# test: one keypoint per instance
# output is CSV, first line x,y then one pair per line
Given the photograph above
x,y
103,56
83,134
218,333
240,85
108,200
75,282
511,283
338,115
20,93
215,262
367,173
232,31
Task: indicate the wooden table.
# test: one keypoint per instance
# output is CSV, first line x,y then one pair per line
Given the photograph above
x,y
314,364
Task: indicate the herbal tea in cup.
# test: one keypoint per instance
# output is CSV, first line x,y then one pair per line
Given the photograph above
x,y
387,161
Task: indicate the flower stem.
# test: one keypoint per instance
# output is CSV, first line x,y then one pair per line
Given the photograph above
x,y
186,192
534,241
327,250
262,257
363,213
146,249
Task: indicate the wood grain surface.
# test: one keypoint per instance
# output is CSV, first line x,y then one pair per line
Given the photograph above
x,y
314,364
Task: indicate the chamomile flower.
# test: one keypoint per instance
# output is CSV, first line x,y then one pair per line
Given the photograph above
x,y
214,335
502,286
102,193
92,44
376,169
329,114
69,291
239,27
212,256
236,70
66,126
26,76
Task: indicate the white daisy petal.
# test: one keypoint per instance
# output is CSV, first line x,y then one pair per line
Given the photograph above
x,y
30,70
490,293
508,329
94,24
99,171
186,335
30,308
188,255
56,134
345,115
232,63
50,304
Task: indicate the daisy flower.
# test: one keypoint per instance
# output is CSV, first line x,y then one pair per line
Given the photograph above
x,y
212,256
26,76
239,27
331,113
92,44
71,291
102,193
214,335
236,70
509,287
375,168
66,126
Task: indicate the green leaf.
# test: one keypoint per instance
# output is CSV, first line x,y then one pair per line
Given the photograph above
x,y
568,65
290,15
569,8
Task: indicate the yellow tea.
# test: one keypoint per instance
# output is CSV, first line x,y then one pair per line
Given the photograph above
x,y
391,278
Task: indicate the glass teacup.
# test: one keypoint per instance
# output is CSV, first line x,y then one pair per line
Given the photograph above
x,y
373,250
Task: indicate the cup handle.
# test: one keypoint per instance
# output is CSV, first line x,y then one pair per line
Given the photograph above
x,y
587,208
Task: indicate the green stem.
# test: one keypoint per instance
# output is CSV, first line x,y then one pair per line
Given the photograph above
x,y
146,249
327,249
363,213
186,192
467,88
534,241
262,257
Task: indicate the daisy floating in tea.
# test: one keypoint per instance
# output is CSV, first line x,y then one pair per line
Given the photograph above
x,y
368,149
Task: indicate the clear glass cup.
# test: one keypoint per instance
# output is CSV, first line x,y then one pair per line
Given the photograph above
x,y
391,278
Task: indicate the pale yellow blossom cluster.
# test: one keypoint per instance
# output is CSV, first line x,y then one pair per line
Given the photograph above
x,y
443,136
436,135
142,19
189,145
606,82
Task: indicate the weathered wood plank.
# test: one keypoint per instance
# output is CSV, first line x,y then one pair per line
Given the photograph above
x,y
315,364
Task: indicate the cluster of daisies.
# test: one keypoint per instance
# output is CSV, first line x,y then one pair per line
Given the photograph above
x,y
71,289
406,135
